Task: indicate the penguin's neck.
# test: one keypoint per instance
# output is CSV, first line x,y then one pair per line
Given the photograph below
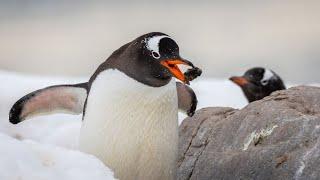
x,y
132,127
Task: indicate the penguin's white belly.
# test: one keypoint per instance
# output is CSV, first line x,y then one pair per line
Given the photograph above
x,y
132,127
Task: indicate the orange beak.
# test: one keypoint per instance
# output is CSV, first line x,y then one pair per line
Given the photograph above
x,y
241,81
171,64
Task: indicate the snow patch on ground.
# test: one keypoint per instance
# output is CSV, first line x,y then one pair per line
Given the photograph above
x,y
28,160
35,158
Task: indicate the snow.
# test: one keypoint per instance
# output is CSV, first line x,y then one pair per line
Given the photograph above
x,y
29,151
46,147
28,160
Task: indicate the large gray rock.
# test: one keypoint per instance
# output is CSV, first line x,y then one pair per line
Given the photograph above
x,y
274,138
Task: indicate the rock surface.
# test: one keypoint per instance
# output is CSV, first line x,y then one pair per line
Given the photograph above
x,y
277,137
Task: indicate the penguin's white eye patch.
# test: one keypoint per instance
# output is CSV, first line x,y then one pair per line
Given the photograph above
x,y
152,44
264,82
155,55
267,75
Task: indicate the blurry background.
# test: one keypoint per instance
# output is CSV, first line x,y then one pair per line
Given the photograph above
x,y
223,37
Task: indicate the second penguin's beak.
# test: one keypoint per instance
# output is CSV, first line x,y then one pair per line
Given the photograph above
x,y
239,80
171,64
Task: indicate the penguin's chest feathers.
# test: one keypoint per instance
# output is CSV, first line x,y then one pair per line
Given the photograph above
x,y
129,124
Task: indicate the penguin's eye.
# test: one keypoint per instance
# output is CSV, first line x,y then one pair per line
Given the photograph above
x,y
155,55
264,82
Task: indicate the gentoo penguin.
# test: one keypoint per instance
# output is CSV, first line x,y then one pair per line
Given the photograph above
x,y
257,83
129,105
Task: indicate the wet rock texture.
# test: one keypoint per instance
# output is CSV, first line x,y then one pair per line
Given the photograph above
x,y
274,138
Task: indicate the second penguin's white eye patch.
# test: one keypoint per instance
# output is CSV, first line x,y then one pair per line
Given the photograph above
x,y
267,75
152,45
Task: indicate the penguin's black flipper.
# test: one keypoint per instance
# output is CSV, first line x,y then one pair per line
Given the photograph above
x,y
61,98
187,99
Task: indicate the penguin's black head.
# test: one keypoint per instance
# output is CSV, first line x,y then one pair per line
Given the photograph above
x,y
258,83
151,59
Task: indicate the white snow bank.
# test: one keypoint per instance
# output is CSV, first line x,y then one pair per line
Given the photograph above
x,y
61,129
27,160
